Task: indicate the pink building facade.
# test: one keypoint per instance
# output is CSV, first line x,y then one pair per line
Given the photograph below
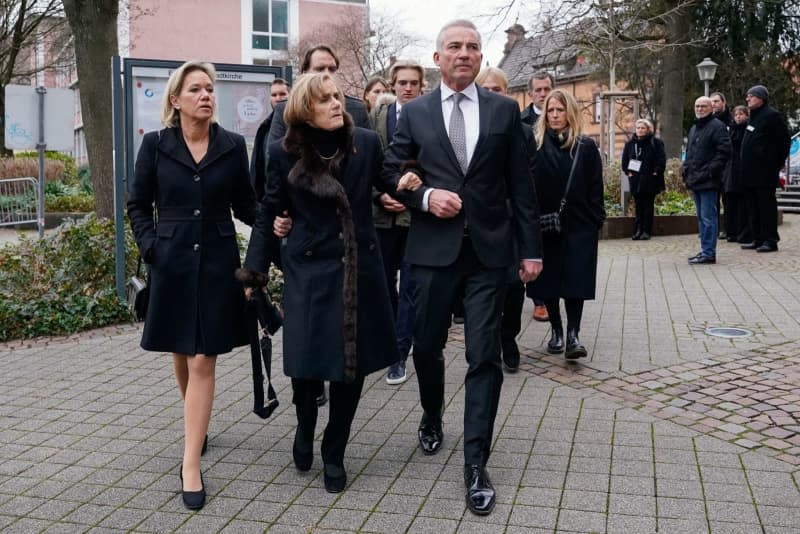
x,y
227,31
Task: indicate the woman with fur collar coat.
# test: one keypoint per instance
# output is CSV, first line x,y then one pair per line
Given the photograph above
x,y
338,323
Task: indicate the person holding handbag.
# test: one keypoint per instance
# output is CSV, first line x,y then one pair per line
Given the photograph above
x,y
568,174
188,177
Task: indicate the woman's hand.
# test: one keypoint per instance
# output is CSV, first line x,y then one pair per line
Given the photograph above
x,y
390,204
282,225
409,182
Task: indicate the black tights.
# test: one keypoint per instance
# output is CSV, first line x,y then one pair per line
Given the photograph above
x,y
574,309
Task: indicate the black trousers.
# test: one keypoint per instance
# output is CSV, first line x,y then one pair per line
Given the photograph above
x,y
645,207
762,214
574,309
512,312
393,247
435,293
343,402
736,224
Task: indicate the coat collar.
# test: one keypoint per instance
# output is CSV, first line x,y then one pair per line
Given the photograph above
x,y
172,145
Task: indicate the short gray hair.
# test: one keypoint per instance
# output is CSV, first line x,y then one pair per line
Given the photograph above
x,y
458,23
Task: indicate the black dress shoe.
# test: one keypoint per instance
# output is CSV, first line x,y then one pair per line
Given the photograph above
x,y
645,236
574,348
695,256
430,437
637,236
751,246
723,235
732,239
767,247
480,492
556,343
193,500
511,356
702,260
205,446
335,478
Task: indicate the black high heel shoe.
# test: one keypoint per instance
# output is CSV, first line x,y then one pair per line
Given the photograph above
x,y
335,478
193,500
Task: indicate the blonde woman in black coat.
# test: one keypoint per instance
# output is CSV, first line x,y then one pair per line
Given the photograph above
x,y
338,324
644,161
193,172
570,257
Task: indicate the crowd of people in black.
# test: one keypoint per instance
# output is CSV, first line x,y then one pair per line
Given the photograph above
x,y
383,213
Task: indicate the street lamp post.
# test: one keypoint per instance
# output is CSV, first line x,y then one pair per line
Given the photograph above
x,y
706,70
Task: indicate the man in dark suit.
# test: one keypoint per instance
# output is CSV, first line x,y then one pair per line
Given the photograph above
x,y
467,146
321,58
278,92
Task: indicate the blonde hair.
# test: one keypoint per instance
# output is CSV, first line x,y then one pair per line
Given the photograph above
x,y
308,88
495,73
647,123
170,116
574,118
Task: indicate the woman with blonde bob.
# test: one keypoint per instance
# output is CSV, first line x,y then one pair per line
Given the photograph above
x,y
190,175
644,161
338,324
570,256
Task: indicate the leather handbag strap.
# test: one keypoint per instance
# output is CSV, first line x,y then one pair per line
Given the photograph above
x,y
571,174
260,350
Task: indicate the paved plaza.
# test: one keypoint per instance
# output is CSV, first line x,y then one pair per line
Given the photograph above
x,y
663,428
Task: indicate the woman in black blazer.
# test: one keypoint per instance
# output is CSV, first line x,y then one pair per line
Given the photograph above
x,y
644,161
570,257
338,324
193,172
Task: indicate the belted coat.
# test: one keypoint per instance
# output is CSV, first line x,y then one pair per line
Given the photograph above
x,y
337,316
192,247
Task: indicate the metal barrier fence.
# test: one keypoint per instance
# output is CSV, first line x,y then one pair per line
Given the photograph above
x,y
18,201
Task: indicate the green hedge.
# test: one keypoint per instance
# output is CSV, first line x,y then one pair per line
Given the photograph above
x,y
63,283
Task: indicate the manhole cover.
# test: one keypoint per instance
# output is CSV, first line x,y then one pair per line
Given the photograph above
x,y
728,331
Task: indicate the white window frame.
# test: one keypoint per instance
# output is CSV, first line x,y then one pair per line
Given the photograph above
x,y
249,54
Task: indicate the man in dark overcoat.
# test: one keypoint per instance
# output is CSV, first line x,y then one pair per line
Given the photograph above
x,y
764,150
467,146
707,153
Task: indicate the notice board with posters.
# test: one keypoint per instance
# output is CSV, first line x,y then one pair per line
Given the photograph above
x,y
242,95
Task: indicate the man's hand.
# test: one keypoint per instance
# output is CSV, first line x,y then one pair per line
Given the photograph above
x,y
529,270
409,181
390,204
444,204
282,225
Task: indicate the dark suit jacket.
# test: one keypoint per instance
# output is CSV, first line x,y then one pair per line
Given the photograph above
x,y
497,171
353,106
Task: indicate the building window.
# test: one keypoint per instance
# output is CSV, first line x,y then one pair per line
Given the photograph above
x,y
270,25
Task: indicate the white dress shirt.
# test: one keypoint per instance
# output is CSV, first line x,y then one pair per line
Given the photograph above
x,y
472,123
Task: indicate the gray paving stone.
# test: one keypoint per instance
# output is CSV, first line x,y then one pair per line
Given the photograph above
x,y
433,526
627,524
237,526
577,521
384,522
533,516
589,501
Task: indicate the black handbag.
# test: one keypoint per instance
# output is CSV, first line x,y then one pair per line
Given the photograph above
x,y
550,223
138,293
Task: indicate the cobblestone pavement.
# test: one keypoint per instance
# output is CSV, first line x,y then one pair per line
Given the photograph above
x,y
662,429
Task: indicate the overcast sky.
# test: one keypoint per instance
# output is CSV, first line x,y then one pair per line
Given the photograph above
x,y
426,17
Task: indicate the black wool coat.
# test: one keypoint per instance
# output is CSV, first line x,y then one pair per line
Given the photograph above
x,y
192,250
732,181
649,179
337,316
764,148
570,258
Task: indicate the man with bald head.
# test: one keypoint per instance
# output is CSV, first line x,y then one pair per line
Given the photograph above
x,y
707,152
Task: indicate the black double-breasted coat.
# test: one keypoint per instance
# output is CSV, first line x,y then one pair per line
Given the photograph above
x,y
337,315
765,146
195,301
570,258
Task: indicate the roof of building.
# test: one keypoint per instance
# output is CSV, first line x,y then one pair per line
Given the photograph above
x,y
552,51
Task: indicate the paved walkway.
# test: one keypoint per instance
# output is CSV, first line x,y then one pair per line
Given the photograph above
x,y
662,429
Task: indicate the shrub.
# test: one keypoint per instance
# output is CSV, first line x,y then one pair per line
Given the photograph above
x,y
70,172
85,179
22,167
77,203
63,283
